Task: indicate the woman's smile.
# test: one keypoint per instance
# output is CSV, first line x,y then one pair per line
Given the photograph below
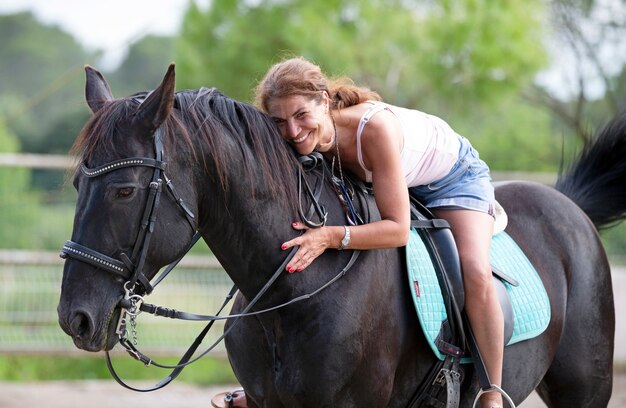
x,y
300,139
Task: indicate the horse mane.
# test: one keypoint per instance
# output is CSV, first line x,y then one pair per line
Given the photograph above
x,y
98,132
208,117
221,120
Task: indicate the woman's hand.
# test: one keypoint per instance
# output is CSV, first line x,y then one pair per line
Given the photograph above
x,y
312,244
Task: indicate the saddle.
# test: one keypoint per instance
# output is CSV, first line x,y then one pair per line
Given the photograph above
x,y
455,340
439,241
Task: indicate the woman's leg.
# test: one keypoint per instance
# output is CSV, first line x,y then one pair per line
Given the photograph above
x,y
472,232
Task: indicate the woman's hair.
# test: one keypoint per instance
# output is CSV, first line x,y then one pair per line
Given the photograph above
x,y
298,76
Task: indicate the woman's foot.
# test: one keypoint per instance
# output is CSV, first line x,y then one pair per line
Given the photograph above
x,y
491,399
227,399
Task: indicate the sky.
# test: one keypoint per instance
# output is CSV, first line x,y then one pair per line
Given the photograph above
x,y
99,24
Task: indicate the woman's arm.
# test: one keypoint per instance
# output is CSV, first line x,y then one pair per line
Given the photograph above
x,y
381,143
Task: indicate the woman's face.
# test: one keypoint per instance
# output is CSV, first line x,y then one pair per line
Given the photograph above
x,y
303,122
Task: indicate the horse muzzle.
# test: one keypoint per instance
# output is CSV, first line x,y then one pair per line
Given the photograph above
x,y
88,332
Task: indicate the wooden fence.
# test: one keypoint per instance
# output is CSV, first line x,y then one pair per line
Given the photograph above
x,y
30,278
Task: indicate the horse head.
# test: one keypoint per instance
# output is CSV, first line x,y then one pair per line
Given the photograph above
x,y
124,230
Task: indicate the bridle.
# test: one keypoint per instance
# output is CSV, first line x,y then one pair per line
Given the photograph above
x,y
137,283
131,267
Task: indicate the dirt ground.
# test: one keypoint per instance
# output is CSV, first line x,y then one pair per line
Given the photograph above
x,y
105,394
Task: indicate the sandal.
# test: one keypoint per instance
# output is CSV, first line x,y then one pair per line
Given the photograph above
x,y
229,399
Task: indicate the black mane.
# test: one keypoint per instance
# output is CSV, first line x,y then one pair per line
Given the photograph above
x,y
206,117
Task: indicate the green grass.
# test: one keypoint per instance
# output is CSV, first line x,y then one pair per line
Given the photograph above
x,y
206,371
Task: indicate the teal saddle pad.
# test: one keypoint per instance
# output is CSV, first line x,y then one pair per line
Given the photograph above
x,y
531,306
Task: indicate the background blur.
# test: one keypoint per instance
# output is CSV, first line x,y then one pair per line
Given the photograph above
x,y
527,82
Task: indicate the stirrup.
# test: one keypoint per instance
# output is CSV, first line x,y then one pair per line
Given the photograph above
x,y
491,388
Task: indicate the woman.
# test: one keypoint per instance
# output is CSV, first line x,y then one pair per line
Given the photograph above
x,y
399,151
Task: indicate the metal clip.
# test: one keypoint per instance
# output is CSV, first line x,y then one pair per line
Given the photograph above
x,y
441,377
120,329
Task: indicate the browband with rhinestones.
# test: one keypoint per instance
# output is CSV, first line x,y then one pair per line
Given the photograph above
x,y
118,164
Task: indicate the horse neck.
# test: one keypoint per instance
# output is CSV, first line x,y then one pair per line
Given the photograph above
x,y
244,228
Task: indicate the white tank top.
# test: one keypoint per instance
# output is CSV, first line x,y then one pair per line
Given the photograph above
x,y
430,147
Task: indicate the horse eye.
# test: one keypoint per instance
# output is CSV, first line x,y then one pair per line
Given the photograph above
x,y
125,192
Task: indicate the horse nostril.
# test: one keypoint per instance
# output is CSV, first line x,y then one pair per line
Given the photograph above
x,y
80,326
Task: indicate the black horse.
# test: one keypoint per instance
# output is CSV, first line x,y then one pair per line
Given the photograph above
x,y
356,343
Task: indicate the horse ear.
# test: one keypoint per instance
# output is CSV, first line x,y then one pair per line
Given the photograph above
x,y
97,90
158,105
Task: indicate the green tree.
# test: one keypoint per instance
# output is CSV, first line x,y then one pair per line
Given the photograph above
x,y
589,34
464,60
415,53
40,77
144,65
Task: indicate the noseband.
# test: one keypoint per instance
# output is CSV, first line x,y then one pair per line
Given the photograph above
x,y
131,267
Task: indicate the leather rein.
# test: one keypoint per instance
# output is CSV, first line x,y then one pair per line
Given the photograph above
x,y
138,285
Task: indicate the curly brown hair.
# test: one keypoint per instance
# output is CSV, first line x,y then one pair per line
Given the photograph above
x,y
298,76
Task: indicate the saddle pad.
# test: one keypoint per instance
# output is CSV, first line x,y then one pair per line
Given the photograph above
x,y
531,306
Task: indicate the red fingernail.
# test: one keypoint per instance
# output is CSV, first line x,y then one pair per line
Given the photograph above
x,y
294,224
289,269
283,246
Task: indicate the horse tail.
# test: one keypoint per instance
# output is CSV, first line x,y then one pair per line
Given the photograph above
x,y
596,180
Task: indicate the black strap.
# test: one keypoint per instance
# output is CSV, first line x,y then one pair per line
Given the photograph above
x,y
175,314
186,359
196,237
315,207
435,223
477,359
73,250
182,363
442,383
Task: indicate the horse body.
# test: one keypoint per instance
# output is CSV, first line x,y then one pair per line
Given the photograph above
x,y
357,343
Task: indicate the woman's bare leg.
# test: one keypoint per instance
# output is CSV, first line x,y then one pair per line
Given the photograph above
x,y
472,232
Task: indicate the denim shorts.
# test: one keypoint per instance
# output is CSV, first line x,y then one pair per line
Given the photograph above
x,y
467,185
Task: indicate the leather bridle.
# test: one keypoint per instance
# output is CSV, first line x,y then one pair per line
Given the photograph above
x,y
131,267
137,283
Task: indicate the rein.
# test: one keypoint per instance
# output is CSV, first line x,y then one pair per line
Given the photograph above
x,y
131,268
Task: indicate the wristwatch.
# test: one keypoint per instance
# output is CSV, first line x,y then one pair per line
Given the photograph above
x,y
346,238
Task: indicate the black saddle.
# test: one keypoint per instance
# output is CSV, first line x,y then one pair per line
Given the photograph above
x,y
455,339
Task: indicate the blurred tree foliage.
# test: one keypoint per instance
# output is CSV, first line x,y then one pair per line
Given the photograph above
x,y
409,51
40,77
463,60
144,65
42,80
589,36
